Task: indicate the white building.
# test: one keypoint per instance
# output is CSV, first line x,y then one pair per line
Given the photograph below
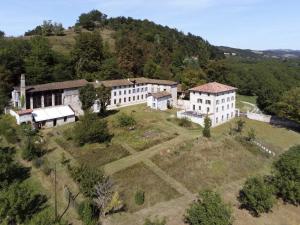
x,y
160,100
57,103
127,92
212,99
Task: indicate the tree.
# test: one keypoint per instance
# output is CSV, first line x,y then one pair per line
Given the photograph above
x,y
87,96
18,204
10,171
207,125
125,120
103,95
251,135
289,105
87,55
287,175
2,34
257,196
92,19
39,63
208,209
240,125
109,70
87,178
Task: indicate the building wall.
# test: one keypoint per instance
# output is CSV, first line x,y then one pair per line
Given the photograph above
x,y
221,105
71,98
59,121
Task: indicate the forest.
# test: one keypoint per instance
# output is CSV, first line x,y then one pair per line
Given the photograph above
x,y
143,48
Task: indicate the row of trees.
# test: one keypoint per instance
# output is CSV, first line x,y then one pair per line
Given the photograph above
x,y
48,28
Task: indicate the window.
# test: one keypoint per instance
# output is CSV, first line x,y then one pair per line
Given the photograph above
x,y
218,101
129,99
165,89
120,93
37,103
207,109
115,101
65,119
199,107
228,99
222,118
129,91
217,120
115,93
223,100
133,98
152,89
217,109
222,108
232,98
146,89
124,92
47,99
138,97
199,100
124,99
133,90
194,107
227,106
207,102
142,89
208,94
120,100
142,96
58,99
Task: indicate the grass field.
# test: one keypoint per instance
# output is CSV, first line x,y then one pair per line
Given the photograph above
x,y
181,154
240,99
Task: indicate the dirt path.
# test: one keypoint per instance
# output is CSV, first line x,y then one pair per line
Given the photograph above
x,y
137,157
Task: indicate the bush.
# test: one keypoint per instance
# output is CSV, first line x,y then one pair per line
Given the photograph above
x,y
87,178
257,196
155,222
125,120
139,197
46,169
287,175
88,212
30,150
7,129
208,209
251,135
207,125
240,125
38,162
91,129
184,122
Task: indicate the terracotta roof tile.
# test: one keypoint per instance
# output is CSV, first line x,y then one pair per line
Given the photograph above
x,y
213,87
24,112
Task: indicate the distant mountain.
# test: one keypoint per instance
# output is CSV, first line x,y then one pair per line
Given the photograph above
x,y
248,53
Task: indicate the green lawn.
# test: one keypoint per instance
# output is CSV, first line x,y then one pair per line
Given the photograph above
x,y
245,98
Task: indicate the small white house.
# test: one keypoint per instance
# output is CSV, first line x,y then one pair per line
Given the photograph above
x,y
159,100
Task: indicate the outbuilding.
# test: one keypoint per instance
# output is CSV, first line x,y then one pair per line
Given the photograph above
x,y
160,100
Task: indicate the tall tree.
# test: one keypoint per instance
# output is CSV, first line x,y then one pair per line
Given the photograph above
x,y
103,95
87,96
92,19
87,55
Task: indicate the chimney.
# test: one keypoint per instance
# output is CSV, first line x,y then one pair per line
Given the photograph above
x,y
23,92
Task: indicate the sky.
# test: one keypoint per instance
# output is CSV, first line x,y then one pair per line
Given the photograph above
x,y
247,24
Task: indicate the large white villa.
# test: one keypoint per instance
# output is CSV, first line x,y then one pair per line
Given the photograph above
x,y
51,104
215,100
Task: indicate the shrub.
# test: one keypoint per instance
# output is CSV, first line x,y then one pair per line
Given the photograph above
x,y
125,120
287,175
139,197
37,162
87,178
257,196
208,209
156,221
240,125
7,129
251,135
207,125
30,150
88,212
46,169
184,122
91,129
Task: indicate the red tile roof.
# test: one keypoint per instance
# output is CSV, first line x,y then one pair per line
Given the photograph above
x,y
24,112
213,87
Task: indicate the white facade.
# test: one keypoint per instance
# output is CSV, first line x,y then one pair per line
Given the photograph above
x,y
219,106
159,103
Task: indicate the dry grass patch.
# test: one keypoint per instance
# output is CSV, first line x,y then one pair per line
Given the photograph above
x,y
139,177
206,164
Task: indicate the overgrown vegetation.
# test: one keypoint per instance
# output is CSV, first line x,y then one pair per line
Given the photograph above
x,y
206,129
208,209
125,120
